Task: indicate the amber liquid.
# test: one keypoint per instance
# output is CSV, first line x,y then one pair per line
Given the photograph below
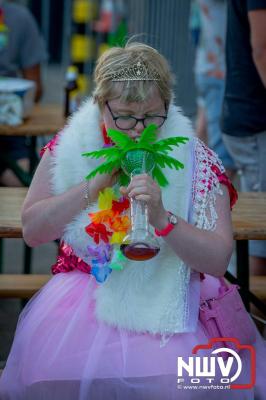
x,y
139,251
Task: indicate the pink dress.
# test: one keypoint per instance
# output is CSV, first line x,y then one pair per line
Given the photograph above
x,y
61,351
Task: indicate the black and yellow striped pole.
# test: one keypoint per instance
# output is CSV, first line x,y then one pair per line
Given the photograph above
x,y
96,26
82,42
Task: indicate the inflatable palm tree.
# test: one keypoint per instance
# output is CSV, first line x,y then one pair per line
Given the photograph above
x,y
123,144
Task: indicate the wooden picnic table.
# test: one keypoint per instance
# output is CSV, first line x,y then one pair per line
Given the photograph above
x,y
11,200
249,223
45,119
249,214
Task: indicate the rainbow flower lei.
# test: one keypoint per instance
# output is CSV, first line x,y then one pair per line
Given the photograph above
x,y
108,228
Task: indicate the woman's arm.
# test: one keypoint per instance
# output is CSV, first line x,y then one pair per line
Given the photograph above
x,y
44,215
204,251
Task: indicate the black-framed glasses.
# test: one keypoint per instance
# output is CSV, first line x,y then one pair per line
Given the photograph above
x,y
129,122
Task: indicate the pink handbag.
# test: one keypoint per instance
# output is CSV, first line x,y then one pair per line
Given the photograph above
x,y
226,316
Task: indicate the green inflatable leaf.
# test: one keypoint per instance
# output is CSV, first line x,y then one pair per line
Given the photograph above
x,y
148,136
159,176
105,168
120,139
164,160
123,144
167,144
108,153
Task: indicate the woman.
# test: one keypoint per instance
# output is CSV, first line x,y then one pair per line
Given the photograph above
x,y
77,339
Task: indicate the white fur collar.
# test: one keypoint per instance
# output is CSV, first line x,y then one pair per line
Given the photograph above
x,y
148,296
83,133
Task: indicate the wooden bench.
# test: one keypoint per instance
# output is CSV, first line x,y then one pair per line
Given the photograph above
x,y
24,286
249,223
258,286
20,285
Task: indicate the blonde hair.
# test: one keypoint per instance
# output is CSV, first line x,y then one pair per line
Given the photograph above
x,y
116,59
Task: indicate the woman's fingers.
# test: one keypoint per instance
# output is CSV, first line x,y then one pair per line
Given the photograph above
x,y
139,190
123,190
142,187
143,197
140,179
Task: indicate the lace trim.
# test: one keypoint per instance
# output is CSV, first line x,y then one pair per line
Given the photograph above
x,y
205,186
170,312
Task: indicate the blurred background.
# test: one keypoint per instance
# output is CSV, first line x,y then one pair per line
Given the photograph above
x,y
77,31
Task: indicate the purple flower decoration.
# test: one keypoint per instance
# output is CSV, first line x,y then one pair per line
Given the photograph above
x,y
102,252
101,256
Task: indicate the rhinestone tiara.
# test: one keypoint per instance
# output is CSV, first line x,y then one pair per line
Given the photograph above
x,y
136,72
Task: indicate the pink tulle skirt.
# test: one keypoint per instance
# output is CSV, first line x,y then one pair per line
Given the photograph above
x,y
60,351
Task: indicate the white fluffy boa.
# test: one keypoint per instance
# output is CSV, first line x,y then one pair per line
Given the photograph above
x,y
150,296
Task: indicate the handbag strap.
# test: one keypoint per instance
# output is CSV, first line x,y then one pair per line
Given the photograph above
x,y
222,281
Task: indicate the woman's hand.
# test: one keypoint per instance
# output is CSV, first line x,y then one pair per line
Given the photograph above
x,y
143,187
100,182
